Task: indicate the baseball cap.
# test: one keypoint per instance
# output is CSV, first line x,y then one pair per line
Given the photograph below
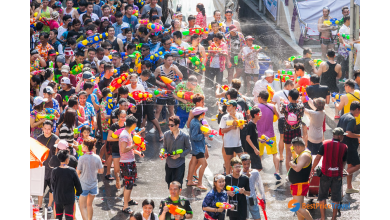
x,y
338,131
38,100
124,25
61,59
88,75
231,102
52,53
232,28
199,110
65,80
48,90
268,73
65,68
249,37
62,145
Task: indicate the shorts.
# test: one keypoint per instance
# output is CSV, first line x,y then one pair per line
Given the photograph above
x,y
129,173
105,134
253,212
281,125
270,149
45,184
149,110
183,115
93,192
240,64
255,162
229,150
313,147
326,41
299,189
353,155
291,134
116,155
199,156
334,184
166,101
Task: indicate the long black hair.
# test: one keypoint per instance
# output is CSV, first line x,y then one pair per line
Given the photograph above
x,y
149,202
201,8
63,155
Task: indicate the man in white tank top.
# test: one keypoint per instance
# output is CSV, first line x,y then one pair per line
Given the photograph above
x,y
69,10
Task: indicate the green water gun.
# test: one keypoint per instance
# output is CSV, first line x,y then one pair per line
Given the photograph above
x,y
236,60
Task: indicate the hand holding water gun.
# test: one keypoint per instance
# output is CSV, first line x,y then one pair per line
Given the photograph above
x,y
161,92
255,47
223,100
77,69
267,140
48,117
110,104
135,13
117,133
140,96
143,21
78,129
271,93
225,87
117,82
317,62
174,210
302,90
163,154
185,95
156,27
167,81
262,205
336,96
234,189
196,62
207,130
140,142
224,205
94,39
238,123
198,31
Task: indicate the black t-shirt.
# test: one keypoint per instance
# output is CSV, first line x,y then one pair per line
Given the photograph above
x,y
211,36
181,203
114,144
104,82
69,93
55,162
252,132
151,81
348,123
49,143
316,91
305,62
74,34
74,63
241,182
64,181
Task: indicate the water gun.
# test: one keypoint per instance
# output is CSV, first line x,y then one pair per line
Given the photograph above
x,y
255,47
117,82
139,2
48,117
155,57
135,13
44,21
219,24
140,96
302,90
167,81
214,119
317,62
198,31
66,98
77,69
174,210
262,205
36,72
223,100
292,58
214,49
348,47
78,129
336,96
236,60
140,142
161,92
225,87
285,78
234,189
267,140
110,104
344,36
143,21
182,52
50,110
224,205
185,95
156,27
117,133
240,122
271,93
80,150
205,129
196,62
163,154
138,46
93,39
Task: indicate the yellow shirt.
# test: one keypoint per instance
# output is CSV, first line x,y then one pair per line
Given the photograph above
x,y
351,98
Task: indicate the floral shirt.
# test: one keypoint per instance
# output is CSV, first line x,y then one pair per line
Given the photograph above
x,y
35,132
56,106
211,200
34,65
296,108
201,21
43,51
222,59
182,86
89,114
105,124
228,42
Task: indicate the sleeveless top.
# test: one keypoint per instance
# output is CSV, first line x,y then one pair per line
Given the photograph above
x,y
70,13
303,175
328,78
115,45
352,97
46,14
170,75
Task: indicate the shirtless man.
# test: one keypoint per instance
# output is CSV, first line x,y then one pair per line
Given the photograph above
x,y
229,20
69,10
199,51
325,32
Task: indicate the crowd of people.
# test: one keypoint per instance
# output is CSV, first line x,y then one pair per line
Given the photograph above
x,y
103,71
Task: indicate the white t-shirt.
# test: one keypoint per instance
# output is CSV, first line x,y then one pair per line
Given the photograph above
x,y
105,58
260,85
344,30
120,36
357,62
94,17
232,138
155,216
316,122
61,30
185,45
280,94
139,87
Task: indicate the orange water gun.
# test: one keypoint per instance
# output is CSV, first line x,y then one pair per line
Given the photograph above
x,y
168,82
271,93
174,210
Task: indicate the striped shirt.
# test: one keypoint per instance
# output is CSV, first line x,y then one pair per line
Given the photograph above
x,y
66,133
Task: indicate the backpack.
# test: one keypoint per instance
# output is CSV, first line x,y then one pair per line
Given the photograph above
x,y
292,118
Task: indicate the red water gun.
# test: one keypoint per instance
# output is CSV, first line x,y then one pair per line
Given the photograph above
x,y
302,90
44,21
262,205
185,95
140,142
167,81
143,21
225,87
117,82
140,96
198,31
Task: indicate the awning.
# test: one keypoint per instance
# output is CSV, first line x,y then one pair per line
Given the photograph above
x,y
38,153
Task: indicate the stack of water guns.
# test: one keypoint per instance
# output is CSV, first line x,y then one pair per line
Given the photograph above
x,y
284,75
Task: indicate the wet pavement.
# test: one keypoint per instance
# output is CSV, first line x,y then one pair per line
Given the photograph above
x,y
151,183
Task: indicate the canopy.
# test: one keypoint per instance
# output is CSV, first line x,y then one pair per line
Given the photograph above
x,y
38,153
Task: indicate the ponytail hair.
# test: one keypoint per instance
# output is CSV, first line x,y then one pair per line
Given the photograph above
x,y
149,202
90,143
201,8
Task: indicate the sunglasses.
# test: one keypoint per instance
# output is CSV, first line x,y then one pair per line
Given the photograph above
x,y
171,125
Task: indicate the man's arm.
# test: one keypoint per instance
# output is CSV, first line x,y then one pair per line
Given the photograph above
x,y
302,161
315,71
338,71
316,161
177,71
343,101
248,140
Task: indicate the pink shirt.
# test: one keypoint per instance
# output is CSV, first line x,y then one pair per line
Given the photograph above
x,y
128,156
53,25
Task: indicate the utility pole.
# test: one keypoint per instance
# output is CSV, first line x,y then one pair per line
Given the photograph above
x,y
351,28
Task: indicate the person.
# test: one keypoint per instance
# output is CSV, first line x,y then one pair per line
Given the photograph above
x,y
230,21
191,22
235,41
44,11
316,116
315,90
265,127
89,165
255,182
307,55
279,98
147,210
212,32
127,162
185,105
54,161
90,114
64,181
329,71
356,76
242,182
124,102
217,194
55,43
178,43
199,51
65,129
346,100
115,42
47,76
36,61
293,112
249,56
342,51
107,13
70,11
44,47
298,175
174,198
261,85
48,139
201,19
67,90
175,139
334,155
231,138
129,17
252,145
148,7
351,138
88,89
51,102
90,13
198,144
218,57
326,39
36,123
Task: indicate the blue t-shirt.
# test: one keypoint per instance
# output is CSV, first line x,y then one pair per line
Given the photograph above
x,y
89,99
133,21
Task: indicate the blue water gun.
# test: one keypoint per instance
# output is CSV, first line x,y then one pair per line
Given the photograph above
x,y
110,104
92,40
50,110
78,129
